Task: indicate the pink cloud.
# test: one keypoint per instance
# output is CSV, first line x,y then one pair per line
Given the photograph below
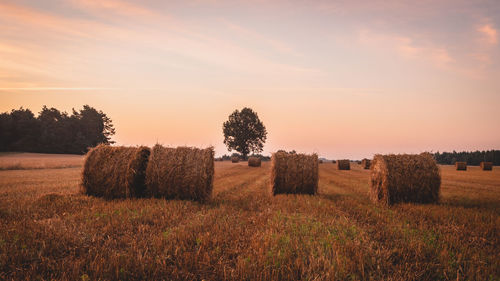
x,y
114,6
406,47
489,33
277,45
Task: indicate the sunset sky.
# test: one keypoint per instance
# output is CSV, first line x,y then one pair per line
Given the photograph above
x,y
344,79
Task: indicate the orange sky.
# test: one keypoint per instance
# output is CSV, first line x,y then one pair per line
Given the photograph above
x,y
339,78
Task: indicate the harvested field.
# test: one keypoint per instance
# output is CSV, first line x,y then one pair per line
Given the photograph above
x,y
31,161
51,231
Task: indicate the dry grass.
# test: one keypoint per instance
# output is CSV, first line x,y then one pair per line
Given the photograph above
x,y
405,178
50,231
343,165
180,173
254,162
293,173
115,171
486,166
461,166
30,161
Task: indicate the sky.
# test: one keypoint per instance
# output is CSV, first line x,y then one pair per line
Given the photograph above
x,y
344,79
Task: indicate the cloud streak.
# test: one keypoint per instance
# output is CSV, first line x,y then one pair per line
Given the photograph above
x,y
406,47
56,89
489,33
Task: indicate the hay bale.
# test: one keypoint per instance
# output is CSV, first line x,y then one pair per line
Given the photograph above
x,y
461,166
254,161
405,178
235,159
366,163
334,162
180,173
293,173
343,165
486,166
115,171
321,161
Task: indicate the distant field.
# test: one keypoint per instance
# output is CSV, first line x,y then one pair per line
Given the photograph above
x,y
49,231
29,161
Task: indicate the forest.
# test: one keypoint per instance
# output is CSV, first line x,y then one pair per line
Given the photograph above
x,y
471,157
53,131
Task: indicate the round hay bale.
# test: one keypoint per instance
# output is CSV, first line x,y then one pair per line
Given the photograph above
x,y
334,162
343,164
235,159
461,166
180,173
293,173
321,161
405,178
115,171
365,163
486,166
254,161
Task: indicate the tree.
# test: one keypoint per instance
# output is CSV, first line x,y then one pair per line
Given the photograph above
x,y
244,132
54,131
53,135
24,130
91,128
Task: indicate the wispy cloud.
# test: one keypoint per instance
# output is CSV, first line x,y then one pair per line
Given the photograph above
x,y
486,44
113,6
55,89
276,45
489,33
406,47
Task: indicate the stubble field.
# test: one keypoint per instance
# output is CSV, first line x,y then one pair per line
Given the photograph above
x,y
48,230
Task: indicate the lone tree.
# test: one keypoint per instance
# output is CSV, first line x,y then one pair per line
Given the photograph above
x,y
244,132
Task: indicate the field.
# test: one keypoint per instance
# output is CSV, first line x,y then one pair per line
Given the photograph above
x,y
50,231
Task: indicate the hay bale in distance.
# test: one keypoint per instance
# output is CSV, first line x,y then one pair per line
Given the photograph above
x,y
293,173
334,162
366,163
486,166
321,161
405,178
461,166
180,173
235,159
115,171
254,161
343,164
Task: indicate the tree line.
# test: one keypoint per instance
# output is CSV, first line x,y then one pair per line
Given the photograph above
x,y
471,157
53,131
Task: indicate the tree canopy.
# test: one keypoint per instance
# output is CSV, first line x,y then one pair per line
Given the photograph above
x,y
471,157
54,131
244,132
